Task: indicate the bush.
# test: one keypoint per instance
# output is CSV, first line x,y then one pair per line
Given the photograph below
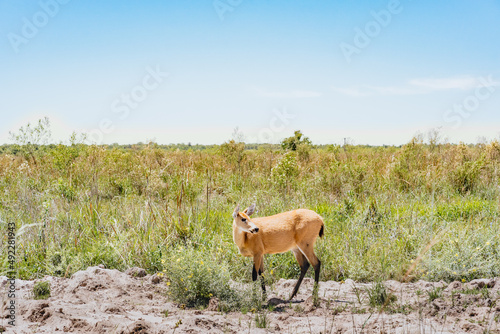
x,y
194,277
466,176
41,290
285,170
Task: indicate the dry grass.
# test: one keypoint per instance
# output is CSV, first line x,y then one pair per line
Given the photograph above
x,y
79,205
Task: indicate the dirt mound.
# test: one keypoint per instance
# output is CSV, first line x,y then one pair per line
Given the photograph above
x,y
100,300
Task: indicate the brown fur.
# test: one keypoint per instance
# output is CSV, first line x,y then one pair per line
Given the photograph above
x,y
294,231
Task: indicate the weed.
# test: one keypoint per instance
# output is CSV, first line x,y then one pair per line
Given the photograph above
x,y
298,308
261,320
400,308
357,292
315,297
359,310
435,293
485,293
378,296
41,290
134,205
196,277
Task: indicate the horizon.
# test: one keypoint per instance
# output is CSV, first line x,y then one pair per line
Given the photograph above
x,y
377,73
237,137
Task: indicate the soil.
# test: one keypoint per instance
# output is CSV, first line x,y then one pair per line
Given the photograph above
x,y
99,300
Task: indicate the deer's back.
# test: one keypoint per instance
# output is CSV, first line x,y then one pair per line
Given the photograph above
x,y
282,232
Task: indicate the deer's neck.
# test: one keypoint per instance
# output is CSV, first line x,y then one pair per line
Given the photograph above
x,y
239,237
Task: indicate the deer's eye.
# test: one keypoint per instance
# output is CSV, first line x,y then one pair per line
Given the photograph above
x,y
243,219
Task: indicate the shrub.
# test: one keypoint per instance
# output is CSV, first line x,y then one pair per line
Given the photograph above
x,y
194,277
466,176
285,170
41,290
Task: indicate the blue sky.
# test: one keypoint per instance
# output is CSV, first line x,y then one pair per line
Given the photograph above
x,y
376,72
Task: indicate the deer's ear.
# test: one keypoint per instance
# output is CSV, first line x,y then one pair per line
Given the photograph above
x,y
250,210
236,210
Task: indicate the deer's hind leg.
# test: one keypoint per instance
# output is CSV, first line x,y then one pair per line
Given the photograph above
x,y
304,265
307,248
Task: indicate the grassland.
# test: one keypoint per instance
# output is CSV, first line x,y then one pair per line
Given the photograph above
x,y
424,210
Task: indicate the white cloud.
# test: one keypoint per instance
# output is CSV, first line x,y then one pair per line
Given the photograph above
x,y
295,94
376,90
462,83
420,86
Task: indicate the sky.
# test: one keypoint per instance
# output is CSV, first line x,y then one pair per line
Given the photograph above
x,y
179,71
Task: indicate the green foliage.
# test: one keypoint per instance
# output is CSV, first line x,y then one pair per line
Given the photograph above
x,y
409,166
261,320
134,205
285,170
435,293
233,152
195,277
295,142
466,176
465,255
41,290
66,190
378,296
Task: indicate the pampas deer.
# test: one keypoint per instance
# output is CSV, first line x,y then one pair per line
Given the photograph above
x,y
293,230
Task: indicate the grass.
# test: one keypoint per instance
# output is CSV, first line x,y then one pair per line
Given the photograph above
x,y
76,206
435,293
261,320
378,295
41,290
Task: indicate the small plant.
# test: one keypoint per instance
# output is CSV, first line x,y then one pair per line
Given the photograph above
x,y
378,296
41,290
357,292
401,308
485,293
358,310
261,319
435,293
316,300
195,277
298,309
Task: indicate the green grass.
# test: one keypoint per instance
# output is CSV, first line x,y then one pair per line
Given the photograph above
x,y
77,206
41,290
378,295
435,293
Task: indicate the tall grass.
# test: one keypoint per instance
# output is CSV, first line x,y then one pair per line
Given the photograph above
x,y
77,205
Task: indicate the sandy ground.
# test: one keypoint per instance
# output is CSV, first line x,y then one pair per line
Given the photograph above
x,y
99,300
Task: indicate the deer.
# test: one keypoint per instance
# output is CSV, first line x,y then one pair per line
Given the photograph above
x,y
294,231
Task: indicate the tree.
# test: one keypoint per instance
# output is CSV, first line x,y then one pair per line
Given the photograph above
x,y
292,143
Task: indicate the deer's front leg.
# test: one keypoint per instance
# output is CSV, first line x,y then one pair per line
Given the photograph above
x,y
258,269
